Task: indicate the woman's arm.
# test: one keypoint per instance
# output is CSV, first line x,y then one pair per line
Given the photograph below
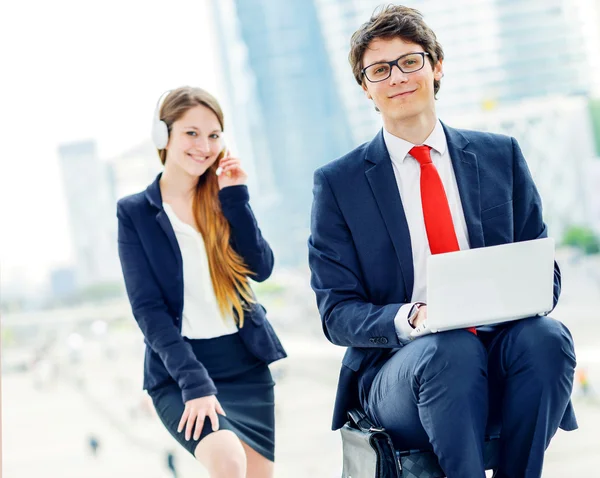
x,y
246,237
153,317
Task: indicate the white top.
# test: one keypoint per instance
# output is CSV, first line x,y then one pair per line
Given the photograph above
x,y
201,318
408,177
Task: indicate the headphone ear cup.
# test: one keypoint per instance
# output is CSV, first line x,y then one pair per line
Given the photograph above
x,y
160,133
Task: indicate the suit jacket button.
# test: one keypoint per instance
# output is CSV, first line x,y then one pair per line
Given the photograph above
x,y
372,340
383,340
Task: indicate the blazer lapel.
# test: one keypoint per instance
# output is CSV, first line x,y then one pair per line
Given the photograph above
x,y
380,174
165,224
154,197
466,171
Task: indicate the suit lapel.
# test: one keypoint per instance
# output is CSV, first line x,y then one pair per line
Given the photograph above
x,y
466,171
380,174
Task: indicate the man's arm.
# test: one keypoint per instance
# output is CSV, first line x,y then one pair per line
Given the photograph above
x,y
349,319
527,208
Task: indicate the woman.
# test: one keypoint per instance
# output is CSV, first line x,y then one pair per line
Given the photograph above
x,y
188,245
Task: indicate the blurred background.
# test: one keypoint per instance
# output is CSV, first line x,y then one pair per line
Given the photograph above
x,y
80,84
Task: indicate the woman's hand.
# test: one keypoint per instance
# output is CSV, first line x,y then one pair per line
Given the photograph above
x,y
230,172
196,411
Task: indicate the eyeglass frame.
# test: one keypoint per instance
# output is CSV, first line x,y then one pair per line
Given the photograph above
x,y
395,63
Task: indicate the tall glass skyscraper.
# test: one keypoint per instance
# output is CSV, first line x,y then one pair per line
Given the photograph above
x,y
298,122
500,52
89,190
541,48
339,20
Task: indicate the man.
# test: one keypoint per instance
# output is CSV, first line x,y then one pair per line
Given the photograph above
x,y
378,212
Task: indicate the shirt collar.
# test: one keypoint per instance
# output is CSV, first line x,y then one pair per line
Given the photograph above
x,y
398,148
177,224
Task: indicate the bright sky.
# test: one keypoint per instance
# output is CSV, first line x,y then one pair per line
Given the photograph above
x,y
77,70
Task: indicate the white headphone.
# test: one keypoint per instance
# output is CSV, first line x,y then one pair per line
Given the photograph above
x,y
160,131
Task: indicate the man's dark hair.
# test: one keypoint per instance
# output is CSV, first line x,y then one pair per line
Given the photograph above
x,y
389,22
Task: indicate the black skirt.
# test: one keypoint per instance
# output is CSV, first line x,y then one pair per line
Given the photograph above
x,y
244,390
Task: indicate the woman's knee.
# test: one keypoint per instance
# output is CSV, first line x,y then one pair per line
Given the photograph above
x,y
222,454
227,466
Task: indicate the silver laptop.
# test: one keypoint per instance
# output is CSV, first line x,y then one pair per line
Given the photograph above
x,y
490,285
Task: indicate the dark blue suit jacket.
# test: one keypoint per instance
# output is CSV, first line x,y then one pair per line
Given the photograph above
x,y
153,271
360,252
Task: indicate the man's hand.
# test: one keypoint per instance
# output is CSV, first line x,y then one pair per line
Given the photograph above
x,y
421,316
420,323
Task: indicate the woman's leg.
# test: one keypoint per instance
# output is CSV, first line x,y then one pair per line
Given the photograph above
x,y
222,454
257,465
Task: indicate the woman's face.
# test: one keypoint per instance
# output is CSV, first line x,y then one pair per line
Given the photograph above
x,y
195,141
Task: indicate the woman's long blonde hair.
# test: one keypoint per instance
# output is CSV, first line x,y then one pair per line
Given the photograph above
x,y
228,272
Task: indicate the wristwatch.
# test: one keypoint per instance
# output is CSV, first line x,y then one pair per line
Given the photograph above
x,y
414,311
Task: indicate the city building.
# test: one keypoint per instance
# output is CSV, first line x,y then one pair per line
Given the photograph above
x,y
556,137
295,118
134,169
496,51
89,190
63,284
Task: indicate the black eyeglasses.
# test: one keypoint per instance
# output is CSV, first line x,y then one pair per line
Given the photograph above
x,y
382,70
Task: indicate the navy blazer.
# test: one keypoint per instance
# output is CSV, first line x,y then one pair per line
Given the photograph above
x,y
153,271
360,252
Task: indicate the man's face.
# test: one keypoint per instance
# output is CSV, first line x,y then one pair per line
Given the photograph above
x,y
403,96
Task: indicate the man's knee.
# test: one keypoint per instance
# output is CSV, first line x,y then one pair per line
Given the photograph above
x,y
448,359
546,343
456,354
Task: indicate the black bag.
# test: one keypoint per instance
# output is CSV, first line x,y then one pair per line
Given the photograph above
x,y
369,453
368,450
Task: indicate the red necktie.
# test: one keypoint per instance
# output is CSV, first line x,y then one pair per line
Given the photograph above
x,y
436,210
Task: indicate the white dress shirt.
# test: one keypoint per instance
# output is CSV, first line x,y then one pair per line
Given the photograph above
x,y
201,318
408,176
